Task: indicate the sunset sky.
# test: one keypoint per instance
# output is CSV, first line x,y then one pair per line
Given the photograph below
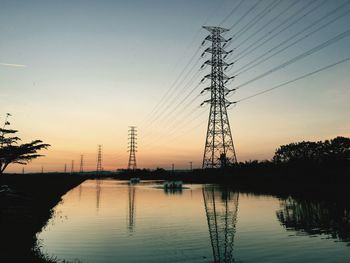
x,y
76,74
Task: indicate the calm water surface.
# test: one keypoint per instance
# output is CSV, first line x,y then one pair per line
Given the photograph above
x,y
112,221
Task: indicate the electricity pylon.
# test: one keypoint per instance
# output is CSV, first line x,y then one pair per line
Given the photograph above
x,y
81,170
219,150
132,148
221,207
72,167
99,160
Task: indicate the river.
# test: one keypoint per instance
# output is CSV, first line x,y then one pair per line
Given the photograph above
x,y
108,220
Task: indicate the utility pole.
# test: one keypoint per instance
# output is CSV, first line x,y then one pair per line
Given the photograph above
x,y
99,160
72,167
219,150
81,170
132,146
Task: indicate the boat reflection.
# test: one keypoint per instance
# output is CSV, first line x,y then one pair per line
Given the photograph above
x,y
173,190
316,217
221,206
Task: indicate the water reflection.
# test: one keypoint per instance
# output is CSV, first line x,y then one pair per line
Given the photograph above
x,y
313,218
221,206
80,191
98,193
172,190
131,214
199,225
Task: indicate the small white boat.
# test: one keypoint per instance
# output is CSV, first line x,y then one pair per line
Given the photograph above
x,y
134,180
172,185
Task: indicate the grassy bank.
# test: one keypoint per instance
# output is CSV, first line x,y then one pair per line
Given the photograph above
x,y
26,205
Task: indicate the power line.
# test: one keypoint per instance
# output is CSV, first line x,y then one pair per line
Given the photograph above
x,y
268,23
248,50
171,90
186,106
186,66
234,10
162,104
176,127
177,106
294,80
249,24
241,70
256,19
245,14
295,59
168,136
180,92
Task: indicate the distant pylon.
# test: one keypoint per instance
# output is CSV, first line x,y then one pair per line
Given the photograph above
x,y
81,164
72,167
132,148
219,150
65,168
99,160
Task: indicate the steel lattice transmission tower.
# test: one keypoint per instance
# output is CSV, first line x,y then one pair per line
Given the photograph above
x,y
72,167
219,150
132,148
81,169
99,160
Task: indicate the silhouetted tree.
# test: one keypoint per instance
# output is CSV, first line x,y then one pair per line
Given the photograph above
x,y
10,152
337,149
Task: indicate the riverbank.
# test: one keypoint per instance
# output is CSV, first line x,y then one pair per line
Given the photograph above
x,y
263,178
26,203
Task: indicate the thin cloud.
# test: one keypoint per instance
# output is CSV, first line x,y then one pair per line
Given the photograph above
x,y
13,65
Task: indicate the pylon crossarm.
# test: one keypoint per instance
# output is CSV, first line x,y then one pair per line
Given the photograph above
x,y
229,91
216,49
206,89
211,63
205,102
229,103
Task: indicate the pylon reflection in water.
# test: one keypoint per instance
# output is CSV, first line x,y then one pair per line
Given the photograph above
x,y
221,206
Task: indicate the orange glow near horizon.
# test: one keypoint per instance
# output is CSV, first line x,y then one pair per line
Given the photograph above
x,y
71,82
